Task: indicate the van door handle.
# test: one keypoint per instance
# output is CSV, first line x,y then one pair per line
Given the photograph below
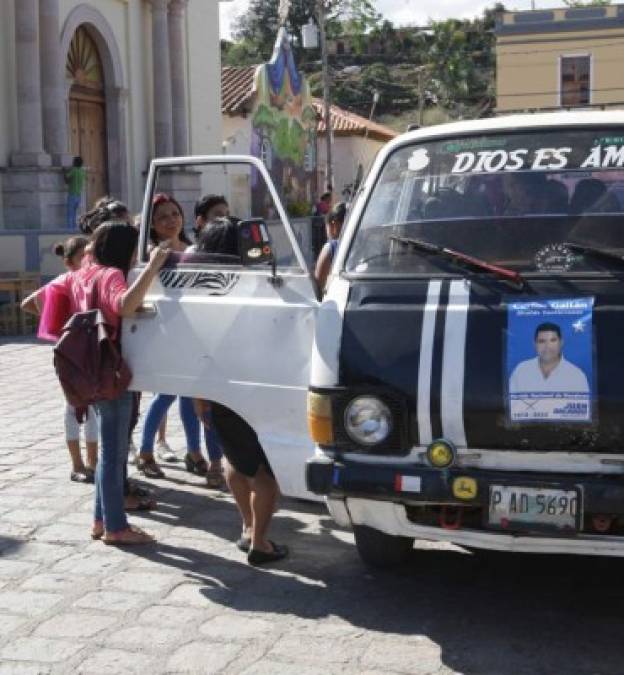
x,y
147,310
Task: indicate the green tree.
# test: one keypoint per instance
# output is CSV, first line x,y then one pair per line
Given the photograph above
x,y
259,25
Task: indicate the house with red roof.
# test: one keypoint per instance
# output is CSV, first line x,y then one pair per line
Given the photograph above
x,y
356,140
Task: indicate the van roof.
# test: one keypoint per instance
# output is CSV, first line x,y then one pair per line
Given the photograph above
x,y
514,123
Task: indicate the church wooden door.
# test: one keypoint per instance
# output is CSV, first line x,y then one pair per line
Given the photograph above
x,y
87,112
88,139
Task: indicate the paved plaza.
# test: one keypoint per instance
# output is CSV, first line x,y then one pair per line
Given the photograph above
x,y
191,604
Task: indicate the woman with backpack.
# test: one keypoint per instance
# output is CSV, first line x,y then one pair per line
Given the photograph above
x,y
72,251
100,283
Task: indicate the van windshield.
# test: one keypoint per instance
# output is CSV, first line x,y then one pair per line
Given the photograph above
x,y
513,199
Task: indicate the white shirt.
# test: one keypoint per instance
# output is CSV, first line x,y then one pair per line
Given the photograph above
x,y
566,377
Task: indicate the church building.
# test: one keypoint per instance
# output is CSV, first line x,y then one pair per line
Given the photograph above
x,y
117,82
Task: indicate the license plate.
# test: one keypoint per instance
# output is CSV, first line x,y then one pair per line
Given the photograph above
x,y
513,507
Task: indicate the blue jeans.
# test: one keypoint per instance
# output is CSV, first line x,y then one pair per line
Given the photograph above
x,y
213,442
113,420
73,204
157,411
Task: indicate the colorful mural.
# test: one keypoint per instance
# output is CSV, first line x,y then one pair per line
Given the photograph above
x,y
284,132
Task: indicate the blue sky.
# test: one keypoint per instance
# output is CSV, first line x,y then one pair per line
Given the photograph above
x,y
402,12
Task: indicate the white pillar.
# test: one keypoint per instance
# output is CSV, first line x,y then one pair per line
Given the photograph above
x,y
161,69
29,120
178,76
53,87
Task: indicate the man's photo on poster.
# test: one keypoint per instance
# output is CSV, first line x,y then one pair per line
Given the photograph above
x,y
550,360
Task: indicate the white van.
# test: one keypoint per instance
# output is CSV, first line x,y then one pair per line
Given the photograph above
x,y
463,375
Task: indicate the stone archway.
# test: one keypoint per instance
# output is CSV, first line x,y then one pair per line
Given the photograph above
x,y
85,20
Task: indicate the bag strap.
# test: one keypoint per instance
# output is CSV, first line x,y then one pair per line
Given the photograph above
x,y
95,296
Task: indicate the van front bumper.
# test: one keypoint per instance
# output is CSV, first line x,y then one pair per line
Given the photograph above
x,y
410,484
385,497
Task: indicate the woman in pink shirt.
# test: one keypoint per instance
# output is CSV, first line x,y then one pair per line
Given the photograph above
x,y
101,281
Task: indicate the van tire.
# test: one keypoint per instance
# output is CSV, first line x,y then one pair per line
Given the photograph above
x,y
379,549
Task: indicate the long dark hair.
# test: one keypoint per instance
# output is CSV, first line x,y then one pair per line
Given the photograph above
x,y
114,244
162,198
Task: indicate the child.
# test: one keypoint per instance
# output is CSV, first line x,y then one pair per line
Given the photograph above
x,y
75,178
72,252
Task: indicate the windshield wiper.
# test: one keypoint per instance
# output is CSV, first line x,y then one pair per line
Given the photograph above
x,y
462,259
595,252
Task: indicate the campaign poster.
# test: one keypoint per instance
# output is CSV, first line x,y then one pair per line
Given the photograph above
x,y
550,360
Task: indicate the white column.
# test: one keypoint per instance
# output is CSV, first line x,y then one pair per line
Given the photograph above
x,y
53,86
161,69
29,120
177,53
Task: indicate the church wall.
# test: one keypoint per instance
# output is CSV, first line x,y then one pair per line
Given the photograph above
x,y
8,138
204,90
138,39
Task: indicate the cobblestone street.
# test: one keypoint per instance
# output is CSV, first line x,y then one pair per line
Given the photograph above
x,y
191,604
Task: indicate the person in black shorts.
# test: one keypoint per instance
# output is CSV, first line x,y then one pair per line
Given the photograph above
x,y
248,472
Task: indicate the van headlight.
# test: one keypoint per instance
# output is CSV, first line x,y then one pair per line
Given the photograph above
x,y
367,420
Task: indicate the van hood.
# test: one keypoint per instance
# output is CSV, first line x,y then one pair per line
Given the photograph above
x,y
452,348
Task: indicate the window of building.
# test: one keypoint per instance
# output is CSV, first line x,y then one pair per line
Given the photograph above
x,y
575,82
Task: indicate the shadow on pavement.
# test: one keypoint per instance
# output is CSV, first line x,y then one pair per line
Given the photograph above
x,y
10,545
488,612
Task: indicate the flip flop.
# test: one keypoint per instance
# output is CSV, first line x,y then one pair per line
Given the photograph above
x,y
86,476
131,536
215,480
258,557
97,531
243,544
150,469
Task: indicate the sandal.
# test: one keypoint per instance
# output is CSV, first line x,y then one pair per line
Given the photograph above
x,y
150,469
258,557
197,466
139,503
83,476
135,490
243,544
128,537
215,479
97,530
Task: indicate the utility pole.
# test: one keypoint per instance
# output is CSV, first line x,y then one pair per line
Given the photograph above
x,y
329,174
421,98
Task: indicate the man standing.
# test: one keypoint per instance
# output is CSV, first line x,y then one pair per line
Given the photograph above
x,y
549,371
75,178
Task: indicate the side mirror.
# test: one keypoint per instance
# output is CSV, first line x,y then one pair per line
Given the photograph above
x,y
255,248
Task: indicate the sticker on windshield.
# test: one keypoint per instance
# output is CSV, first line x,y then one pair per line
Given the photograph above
x,y
419,160
549,360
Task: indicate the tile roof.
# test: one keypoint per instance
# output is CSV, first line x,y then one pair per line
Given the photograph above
x,y
346,123
237,92
237,88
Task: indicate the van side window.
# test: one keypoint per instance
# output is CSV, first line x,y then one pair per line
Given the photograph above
x,y
212,190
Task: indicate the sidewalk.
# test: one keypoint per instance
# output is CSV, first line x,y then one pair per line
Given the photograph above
x,y
188,604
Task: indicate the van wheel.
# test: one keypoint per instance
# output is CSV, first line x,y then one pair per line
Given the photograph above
x,y
379,549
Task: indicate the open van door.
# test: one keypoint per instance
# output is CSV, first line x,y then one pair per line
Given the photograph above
x,y
231,331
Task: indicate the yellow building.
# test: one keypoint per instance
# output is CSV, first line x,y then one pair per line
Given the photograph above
x,y
560,58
